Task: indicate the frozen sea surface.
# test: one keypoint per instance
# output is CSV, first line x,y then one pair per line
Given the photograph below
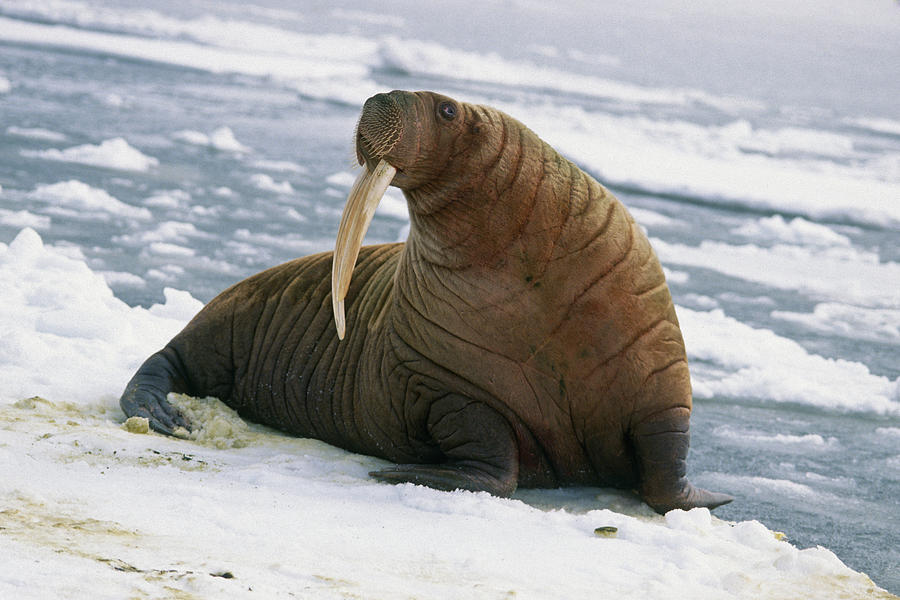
x,y
185,146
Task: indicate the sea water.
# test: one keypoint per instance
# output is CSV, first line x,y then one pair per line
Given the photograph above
x,y
185,146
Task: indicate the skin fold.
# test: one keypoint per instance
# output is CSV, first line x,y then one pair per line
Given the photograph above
x,y
524,334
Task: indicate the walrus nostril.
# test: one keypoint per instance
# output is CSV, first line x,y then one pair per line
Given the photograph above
x,y
379,127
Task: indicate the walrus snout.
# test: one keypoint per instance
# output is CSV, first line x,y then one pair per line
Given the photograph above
x,y
379,128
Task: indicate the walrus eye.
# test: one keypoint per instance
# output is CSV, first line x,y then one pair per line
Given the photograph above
x,y
447,110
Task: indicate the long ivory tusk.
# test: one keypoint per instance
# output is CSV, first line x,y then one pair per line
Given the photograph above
x,y
367,191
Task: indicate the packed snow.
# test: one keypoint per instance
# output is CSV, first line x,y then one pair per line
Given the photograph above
x,y
138,513
77,199
221,138
110,154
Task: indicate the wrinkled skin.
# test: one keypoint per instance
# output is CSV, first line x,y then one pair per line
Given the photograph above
x,y
523,335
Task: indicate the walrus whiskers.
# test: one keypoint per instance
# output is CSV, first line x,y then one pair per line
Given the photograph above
x,y
364,197
379,129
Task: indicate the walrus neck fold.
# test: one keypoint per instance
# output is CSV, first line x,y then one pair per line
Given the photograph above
x,y
504,206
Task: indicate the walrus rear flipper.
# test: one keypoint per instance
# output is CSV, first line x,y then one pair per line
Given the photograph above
x,y
478,445
145,394
661,447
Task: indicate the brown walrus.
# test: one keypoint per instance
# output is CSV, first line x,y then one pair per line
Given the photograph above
x,y
523,335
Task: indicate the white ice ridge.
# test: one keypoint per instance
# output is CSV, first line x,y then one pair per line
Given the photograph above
x,y
330,67
36,133
815,173
77,199
111,154
852,322
835,273
328,51
60,321
721,164
222,138
733,360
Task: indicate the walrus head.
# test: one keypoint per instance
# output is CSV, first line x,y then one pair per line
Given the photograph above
x,y
409,140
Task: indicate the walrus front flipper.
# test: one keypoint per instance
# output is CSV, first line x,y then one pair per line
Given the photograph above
x,y
145,394
662,447
479,447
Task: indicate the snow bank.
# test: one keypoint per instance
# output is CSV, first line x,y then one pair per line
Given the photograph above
x,y
327,66
844,274
784,442
247,512
221,138
852,322
417,57
165,231
110,154
797,231
61,321
267,184
23,218
36,133
257,49
722,165
885,126
279,165
795,170
281,517
79,200
731,359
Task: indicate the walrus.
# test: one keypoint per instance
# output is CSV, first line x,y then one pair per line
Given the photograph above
x,y
523,335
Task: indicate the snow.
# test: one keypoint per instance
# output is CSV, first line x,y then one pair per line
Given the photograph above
x,y
60,321
805,442
267,184
168,199
797,170
417,57
222,47
23,218
222,138
797,231
776,206
279,165
245,508
74,197
732,359
836,273
123,279
36,133
169,250
722,165
166,231
110,154
845,320
297,244
886,126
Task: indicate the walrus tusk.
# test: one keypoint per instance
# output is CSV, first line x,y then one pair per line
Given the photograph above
x,y
364,197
